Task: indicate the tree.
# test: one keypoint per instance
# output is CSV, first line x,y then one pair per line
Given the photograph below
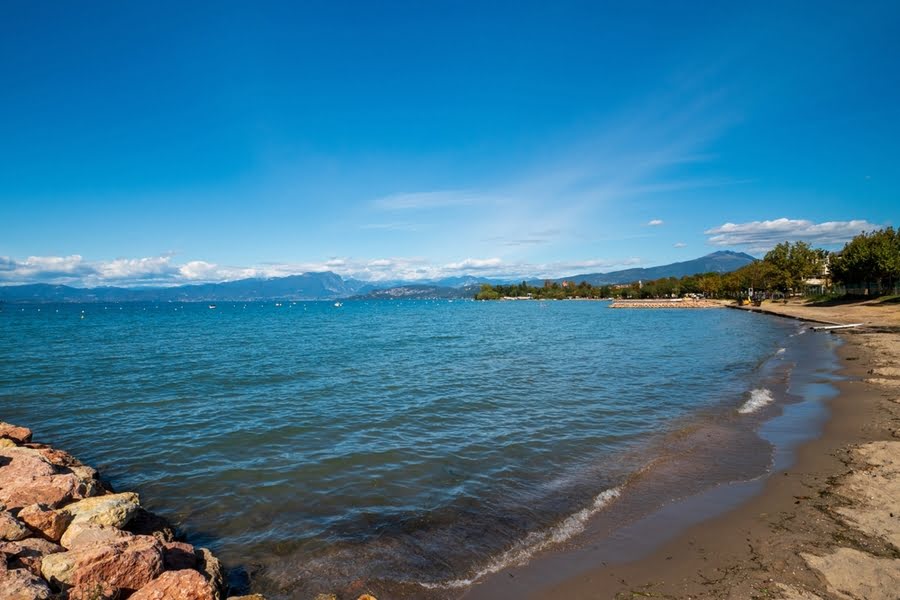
x,y
792,264
872,257
487,293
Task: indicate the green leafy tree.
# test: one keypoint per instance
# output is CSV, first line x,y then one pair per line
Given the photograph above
x,y
487,293
872,257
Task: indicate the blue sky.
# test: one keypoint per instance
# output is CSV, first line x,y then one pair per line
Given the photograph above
x,y
172,142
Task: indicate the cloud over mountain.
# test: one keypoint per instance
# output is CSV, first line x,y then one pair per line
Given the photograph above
x,y
763,235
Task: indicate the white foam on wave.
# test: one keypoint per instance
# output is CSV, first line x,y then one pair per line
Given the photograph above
x,y
780,351
535,542
758,398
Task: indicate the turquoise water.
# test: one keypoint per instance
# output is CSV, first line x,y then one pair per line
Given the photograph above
x,y
396,444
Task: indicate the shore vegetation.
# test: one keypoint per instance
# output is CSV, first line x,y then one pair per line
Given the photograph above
x,y
867,265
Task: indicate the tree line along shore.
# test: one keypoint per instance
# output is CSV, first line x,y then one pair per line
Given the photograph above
x,y
867,265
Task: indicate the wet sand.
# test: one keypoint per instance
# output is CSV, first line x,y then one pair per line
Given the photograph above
x,y
827,526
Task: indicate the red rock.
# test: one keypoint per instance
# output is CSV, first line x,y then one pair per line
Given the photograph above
x,y
124,566
28,553
26,477
48,522
94,591
127,565
178,556
19,584
20,435
54,456
38,546
89,534
186,584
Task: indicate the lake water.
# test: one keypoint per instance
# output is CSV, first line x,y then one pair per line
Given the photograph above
x,y
403,447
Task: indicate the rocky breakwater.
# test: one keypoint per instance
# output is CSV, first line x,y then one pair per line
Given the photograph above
x,y
667,303
65,536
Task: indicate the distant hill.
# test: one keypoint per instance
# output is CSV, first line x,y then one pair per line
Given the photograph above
x,y
723,261
407,292
308,286
329,286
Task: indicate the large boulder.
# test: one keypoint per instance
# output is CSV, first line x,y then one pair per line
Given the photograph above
x,y
19,584
12,529
114,510
89,534
20,435
50,523
27,477
122,566
185,584
69,464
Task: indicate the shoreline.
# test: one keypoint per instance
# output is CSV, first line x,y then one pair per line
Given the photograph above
x,y
808,531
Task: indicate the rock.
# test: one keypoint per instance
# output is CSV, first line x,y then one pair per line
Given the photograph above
x,y
114,510
19,435
124,565
146,523
211,568
19,584
94,591
27,477
57,568
323,597
261,597
89,534
5,443
185,584
48,522
54,456
11,529
90,481
178,556
367,597
28,553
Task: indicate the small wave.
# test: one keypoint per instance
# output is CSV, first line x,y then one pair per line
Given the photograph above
x,y
758,398
780,352
535,542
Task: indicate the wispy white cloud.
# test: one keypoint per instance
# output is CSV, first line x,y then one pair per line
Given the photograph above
x,y
427,200
679,245
655,222
763,235
570,183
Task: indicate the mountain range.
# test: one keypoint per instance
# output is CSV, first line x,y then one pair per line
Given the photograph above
x,y
330,286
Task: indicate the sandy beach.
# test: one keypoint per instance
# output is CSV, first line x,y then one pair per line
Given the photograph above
x,y
826,527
